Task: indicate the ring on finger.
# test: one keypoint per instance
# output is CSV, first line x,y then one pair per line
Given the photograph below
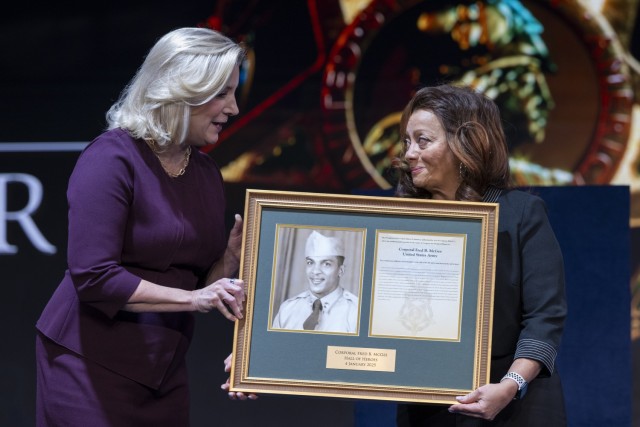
x,y
232,281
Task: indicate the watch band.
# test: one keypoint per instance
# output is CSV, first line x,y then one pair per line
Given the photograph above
x,y
522,383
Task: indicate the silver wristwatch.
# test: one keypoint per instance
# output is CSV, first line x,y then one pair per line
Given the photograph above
x,y
522,383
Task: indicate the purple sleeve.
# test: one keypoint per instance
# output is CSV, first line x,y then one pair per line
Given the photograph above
x,y
99,196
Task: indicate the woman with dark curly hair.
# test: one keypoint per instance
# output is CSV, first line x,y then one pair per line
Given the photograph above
x,y
454,148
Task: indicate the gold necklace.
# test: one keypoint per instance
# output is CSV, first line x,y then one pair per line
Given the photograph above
x,y
185,161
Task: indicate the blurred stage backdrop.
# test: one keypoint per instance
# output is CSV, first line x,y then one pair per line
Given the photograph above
x,y
320,98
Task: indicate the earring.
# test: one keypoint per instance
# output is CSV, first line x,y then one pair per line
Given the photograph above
x,y
462,170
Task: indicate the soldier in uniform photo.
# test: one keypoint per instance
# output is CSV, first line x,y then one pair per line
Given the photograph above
x,y
325,305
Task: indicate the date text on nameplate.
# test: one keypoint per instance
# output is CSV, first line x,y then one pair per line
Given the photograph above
x,y
361,359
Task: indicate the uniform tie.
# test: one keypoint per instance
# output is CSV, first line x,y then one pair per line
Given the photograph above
x,y
312,320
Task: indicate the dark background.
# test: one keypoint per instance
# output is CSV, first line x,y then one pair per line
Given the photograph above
x,y
62,65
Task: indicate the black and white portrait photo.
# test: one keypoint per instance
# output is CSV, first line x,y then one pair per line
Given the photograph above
x,y
317,279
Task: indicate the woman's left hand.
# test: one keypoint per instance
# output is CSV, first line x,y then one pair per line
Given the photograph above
x,y
234,244
234,395
485,402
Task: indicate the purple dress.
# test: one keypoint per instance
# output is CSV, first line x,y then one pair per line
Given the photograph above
x,y
128,220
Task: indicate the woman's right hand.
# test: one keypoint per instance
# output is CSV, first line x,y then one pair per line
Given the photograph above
x,y
226,295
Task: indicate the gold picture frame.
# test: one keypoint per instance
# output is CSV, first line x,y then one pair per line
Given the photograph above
x,y
421,284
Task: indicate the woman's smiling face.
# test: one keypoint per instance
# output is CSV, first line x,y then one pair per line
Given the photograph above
x,y
433,166
207,119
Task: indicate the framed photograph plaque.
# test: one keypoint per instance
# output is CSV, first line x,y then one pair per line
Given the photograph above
x,y
404,291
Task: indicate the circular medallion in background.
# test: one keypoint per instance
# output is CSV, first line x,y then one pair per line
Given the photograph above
x,y
382,57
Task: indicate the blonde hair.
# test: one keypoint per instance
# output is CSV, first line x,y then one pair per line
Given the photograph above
x,y
185,68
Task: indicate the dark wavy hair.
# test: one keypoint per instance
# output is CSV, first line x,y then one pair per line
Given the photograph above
x,y
474,133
